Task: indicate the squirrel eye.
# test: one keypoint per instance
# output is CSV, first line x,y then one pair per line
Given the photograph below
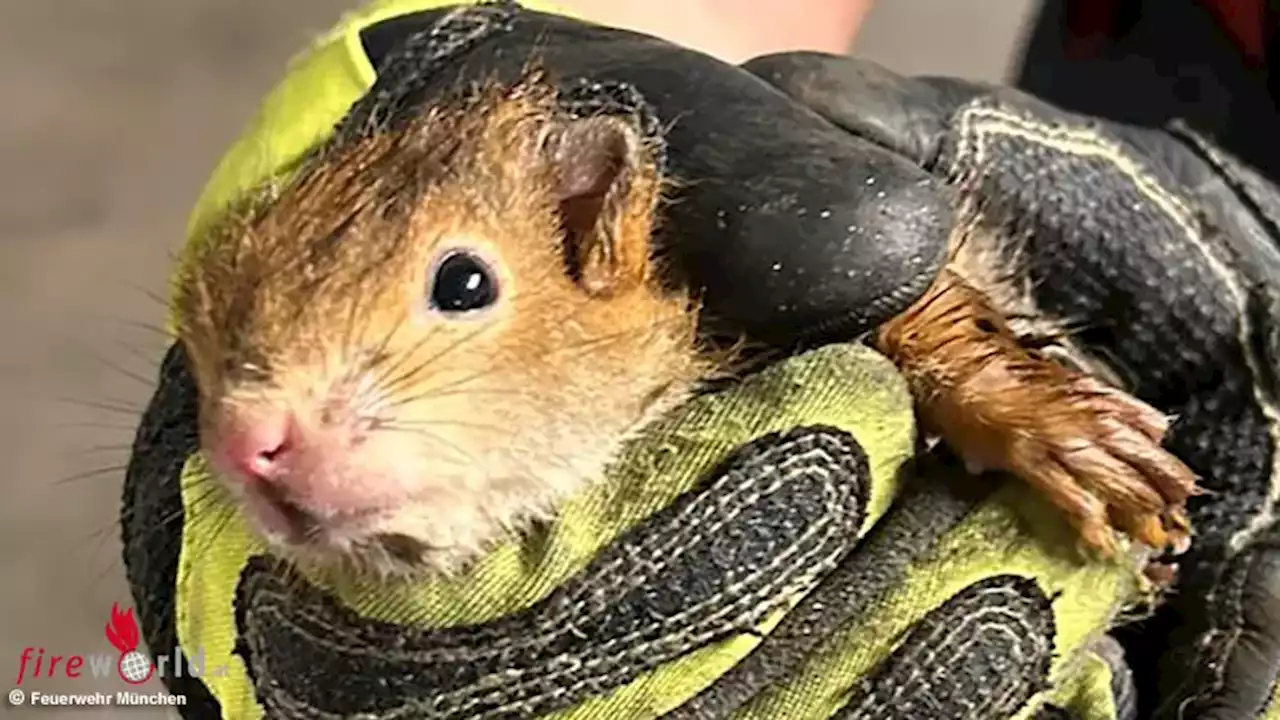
x,y
462,283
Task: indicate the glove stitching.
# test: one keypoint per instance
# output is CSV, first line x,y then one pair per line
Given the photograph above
x,y
978,122
924,513
749,606
924,652
977,126
749,611
931,637
425,52
458,701
835,488
710,517
1242,181
1215,647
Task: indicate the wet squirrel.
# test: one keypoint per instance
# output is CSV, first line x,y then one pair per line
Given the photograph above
x,y
433,335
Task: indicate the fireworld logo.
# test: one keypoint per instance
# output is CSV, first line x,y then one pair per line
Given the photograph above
x,y
128,662
122,632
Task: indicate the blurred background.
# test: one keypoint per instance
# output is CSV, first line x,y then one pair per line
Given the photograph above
x,y
113,114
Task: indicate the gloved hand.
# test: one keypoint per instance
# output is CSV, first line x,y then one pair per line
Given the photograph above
x,y
714,561
798,233
1162,254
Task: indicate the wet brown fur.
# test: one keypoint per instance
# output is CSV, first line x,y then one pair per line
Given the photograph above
x,y
317,301
1091,449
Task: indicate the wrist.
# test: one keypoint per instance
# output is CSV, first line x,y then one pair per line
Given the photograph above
x,y
733,30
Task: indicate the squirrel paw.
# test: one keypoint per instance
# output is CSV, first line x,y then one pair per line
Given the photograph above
x,y
1093,450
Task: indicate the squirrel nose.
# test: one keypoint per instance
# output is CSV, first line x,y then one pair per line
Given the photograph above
x,y
259,448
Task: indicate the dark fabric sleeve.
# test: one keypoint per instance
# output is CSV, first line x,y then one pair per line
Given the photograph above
x,y
1162,60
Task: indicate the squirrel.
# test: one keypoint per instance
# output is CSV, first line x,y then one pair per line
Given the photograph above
x,y
433,335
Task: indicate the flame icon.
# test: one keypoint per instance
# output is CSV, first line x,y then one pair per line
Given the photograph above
x,y
122,632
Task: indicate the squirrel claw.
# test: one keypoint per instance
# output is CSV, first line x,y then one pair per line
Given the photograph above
x,y
1094,451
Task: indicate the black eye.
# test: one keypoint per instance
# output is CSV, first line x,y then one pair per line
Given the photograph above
x,y
462,283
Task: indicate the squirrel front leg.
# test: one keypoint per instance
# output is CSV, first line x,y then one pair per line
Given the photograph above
x,y
1094,451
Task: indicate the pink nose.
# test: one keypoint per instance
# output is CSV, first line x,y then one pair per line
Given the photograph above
x,y
259,449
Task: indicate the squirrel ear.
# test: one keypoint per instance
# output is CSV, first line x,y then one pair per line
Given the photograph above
x,y
607,188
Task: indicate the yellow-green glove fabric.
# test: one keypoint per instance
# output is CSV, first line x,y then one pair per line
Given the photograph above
x,y
659,584
716,563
